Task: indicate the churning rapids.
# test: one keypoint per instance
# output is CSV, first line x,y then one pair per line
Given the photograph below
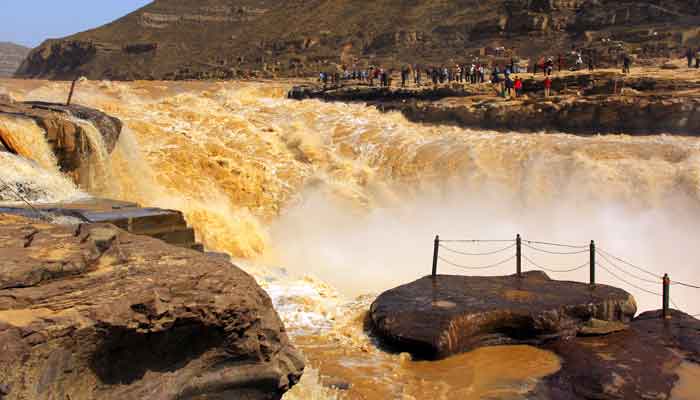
x,y
328,203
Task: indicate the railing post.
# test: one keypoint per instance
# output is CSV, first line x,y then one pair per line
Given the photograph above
x,y
519,255
667,295
592,262
72,88
436,248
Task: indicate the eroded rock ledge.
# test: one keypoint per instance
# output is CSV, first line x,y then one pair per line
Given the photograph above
x,y
68,139
92,312
435,317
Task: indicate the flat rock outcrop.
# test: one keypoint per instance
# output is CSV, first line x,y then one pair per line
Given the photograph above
x,y
641,362
91,311
167,225
68,139
435,317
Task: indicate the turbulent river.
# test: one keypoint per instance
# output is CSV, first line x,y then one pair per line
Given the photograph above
x,y
327,204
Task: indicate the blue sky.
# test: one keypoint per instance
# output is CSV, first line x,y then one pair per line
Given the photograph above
x,y
28,22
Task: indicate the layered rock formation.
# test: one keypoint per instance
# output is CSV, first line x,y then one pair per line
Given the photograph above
x,y
90,311
435,317
11,56
167,225
176,39
71,143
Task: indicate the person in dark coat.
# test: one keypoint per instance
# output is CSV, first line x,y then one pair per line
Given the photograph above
x,y
689,56
626,64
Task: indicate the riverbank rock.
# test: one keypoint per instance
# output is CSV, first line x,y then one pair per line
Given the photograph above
x,y
169,226
435,317
93,312
588,103
641,362
68,138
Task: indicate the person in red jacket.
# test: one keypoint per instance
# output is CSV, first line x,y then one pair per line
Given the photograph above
x,y
547,86
518,86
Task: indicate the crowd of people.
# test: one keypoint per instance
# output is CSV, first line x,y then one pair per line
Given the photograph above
x,y
693,55
504,77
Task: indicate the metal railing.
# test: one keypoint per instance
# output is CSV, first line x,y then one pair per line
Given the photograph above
x,y
596,257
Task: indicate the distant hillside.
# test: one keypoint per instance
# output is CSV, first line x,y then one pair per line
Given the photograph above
x,y
180,39
11,56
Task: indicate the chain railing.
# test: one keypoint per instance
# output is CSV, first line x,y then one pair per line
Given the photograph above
x,y
624,271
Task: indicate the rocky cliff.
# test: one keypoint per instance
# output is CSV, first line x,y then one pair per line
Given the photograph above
x,y
11,56
92,312
178,39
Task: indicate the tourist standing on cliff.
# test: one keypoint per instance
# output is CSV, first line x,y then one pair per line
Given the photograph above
x,y
697,59
496,81
509,86
518,86
579,61
626,64
689,55
547,86
560,61
591,66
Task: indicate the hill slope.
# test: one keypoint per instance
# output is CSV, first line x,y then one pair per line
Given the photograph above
x,y
11,56
177,39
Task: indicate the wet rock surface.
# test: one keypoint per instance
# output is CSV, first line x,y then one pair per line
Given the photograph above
x,y
91,311
638,363
70,142
435,317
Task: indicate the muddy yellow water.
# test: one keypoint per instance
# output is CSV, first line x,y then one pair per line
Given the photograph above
x,y
323,202
688,386
507,372
347,358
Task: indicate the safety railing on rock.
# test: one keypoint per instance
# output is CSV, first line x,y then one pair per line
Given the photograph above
x,y
615,266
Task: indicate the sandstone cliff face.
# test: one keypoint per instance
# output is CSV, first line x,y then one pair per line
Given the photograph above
x,y
92,312
174,39
11,56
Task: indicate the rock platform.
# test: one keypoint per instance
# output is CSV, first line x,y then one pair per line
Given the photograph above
x,y
435,317
167,225
90,311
